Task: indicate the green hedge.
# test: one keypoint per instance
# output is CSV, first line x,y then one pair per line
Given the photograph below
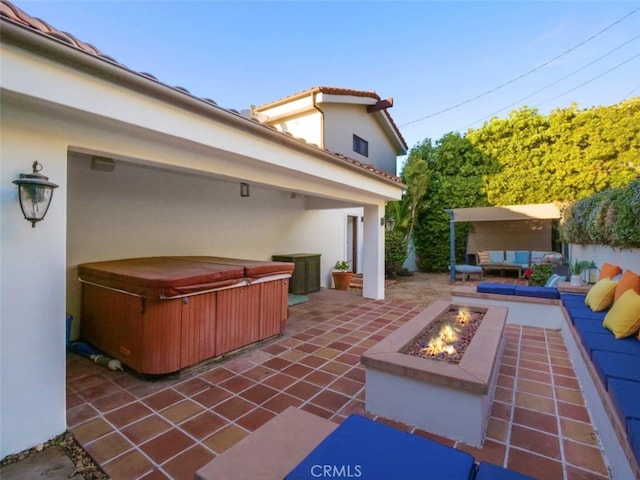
x,y
610,217
395,252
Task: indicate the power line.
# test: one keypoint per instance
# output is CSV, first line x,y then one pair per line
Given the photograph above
x,y
589,81
631,92
523,75
555,83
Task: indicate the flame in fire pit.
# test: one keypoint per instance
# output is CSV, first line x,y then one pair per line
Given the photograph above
x,y
448,334
440,344
464,316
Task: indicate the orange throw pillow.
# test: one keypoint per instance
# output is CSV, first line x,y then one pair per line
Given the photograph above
x,y
629,280
609,271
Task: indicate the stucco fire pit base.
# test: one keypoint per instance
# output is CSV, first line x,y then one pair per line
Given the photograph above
x,y
436,396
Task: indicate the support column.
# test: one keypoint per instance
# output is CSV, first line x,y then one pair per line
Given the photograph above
x,y
452,246
373,252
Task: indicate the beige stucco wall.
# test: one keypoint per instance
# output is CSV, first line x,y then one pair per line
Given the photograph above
x,y
626,259
343,121
32,291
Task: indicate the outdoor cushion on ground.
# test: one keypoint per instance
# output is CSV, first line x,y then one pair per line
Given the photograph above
x,y
489,471
609,271
616,365
537,292
374,451
499,288
467,268
600,297
605,341
624,317
628,280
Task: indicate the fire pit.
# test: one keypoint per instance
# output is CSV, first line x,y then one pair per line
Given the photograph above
x,y
447,339
448,393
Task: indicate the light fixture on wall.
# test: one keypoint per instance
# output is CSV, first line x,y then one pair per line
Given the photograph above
x,y
35,192
244,189
390,223
102,164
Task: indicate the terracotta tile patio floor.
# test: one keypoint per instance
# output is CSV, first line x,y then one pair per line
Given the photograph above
x,y
169,428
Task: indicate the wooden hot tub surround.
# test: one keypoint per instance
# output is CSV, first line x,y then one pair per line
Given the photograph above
x,y
159,315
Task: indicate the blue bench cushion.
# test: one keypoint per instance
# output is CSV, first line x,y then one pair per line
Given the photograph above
x,y
467,269
537,292
605,341
616,365
489,471
633,432
375,451
581,310
588,325
499,288
625,395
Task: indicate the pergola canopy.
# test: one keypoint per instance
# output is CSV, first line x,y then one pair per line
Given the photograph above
x,y
512,227
540,211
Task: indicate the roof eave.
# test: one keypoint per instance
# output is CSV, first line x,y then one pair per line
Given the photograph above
x,y
57,50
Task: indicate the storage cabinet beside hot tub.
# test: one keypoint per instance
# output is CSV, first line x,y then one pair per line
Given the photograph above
x,y
306,276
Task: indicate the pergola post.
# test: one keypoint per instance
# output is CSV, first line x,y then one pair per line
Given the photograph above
x,y
452,246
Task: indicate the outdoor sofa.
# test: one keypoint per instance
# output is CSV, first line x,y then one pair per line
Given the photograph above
x,y
518,260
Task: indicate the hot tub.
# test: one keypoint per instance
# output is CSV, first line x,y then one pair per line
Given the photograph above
x,y
159,315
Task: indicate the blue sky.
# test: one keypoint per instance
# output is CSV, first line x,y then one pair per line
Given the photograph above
x,y
429,56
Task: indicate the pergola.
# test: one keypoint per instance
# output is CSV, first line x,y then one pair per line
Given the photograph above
x,y
511,227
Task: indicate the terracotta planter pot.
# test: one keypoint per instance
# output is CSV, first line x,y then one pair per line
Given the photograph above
x,y
342,280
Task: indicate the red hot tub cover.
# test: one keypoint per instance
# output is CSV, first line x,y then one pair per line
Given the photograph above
x,y
253,269
160,277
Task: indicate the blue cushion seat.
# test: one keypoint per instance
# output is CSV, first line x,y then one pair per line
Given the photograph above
x,y
537,292
633,432
588,325
605,341
489,471
616,365
577,311
468,269
625,395
499,288
360,447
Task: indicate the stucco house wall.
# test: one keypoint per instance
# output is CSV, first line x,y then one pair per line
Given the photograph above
x,y
342,121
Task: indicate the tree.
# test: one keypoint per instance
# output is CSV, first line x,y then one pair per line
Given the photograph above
x,y
457,171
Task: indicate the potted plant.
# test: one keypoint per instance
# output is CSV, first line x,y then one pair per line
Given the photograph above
x,y
342,276
576,269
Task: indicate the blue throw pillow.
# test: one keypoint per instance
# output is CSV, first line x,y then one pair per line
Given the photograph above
x,y
554,279
496,256
522,258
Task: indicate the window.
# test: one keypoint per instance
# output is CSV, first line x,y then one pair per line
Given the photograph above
x,y
360,146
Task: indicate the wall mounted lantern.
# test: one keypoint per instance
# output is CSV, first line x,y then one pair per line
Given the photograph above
x,y
244,189
35,192
390,223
